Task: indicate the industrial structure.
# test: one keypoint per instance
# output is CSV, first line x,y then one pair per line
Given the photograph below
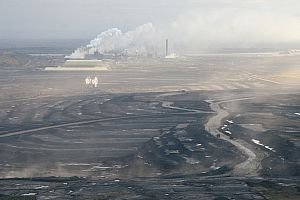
x,y
91,82
81,65
167,47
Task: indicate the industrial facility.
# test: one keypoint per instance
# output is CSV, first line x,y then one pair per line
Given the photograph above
x,y
81,65
91,59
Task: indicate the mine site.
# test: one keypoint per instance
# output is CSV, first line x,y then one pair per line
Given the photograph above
x,y
181,123
137,115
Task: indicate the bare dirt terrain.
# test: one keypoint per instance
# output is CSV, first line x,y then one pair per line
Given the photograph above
x,y
196,127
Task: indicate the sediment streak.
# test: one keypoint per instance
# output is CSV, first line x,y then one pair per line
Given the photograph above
x,y
253,162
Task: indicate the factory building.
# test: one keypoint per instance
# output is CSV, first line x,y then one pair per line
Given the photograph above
x,y
81,65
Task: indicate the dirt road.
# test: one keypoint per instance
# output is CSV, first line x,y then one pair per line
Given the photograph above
x,y
253,162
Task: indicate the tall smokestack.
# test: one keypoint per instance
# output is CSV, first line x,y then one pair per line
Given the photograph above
x,y
167,47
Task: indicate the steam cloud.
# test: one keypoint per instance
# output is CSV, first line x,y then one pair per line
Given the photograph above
x,y
195,30
137,42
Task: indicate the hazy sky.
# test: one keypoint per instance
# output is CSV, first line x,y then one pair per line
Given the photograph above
x,y
225,19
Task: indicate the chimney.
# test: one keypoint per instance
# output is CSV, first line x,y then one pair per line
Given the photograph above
x,y
167,47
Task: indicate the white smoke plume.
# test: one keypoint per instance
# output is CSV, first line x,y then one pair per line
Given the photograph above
x,y
140,41
195,30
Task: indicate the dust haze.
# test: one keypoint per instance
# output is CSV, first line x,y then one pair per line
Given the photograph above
x,y
149,99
